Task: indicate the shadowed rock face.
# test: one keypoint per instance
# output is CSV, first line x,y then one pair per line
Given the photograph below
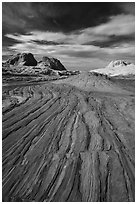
x,y
53,63
26,59
62,142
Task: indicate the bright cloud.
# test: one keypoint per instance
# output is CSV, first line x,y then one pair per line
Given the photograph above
x,y
118,25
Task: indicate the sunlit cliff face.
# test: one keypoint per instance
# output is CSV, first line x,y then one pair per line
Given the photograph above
x,y
82,35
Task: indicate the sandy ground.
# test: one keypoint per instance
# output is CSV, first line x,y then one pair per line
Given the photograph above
x,y
71,140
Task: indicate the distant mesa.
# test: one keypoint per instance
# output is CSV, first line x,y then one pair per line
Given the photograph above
x,y
117,68
25,59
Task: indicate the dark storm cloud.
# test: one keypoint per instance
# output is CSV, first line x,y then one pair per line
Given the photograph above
x,y
114,41
45,42
8,41
128,7
22,17
66,17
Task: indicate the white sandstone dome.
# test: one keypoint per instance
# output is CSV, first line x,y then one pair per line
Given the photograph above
x,y
116,68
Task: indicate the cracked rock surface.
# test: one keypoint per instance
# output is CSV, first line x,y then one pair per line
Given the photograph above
x,y
65,142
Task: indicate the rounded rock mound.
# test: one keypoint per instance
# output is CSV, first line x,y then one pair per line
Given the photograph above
x,y
26,59
52,63
118,63
117,68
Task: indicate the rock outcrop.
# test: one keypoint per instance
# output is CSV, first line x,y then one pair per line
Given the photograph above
x,y
23,59
118,63
117,68
25,63
62,143
52,63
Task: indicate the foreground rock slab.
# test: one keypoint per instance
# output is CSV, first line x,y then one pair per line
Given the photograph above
x,y
61,143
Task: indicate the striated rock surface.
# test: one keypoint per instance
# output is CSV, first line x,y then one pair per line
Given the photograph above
x,y
71,141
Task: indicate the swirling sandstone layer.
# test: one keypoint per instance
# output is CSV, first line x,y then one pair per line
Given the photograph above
x,y
61,143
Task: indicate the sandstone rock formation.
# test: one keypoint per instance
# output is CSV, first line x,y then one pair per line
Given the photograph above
x,y
18,68
26,64
117,68
26,59
68,142
118,63
52,63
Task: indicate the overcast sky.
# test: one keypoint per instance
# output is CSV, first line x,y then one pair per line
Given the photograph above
x,y
83,36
